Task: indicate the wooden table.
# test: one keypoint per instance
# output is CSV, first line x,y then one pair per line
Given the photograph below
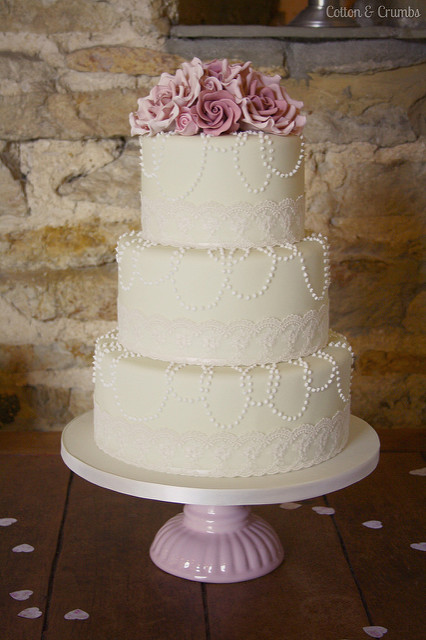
x,y
91,553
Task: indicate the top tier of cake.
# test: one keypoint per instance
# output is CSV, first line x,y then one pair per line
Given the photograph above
x,y
234,191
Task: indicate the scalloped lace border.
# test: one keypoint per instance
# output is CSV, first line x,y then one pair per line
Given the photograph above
x,y
221,454
242,342
212,224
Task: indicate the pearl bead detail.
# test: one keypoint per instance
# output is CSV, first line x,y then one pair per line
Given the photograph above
x,y
266,154
227,260
246,378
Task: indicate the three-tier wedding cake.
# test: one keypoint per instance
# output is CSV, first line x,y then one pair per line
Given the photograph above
x,y
223,363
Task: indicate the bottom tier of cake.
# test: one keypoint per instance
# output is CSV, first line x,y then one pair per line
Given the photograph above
x,y
222,421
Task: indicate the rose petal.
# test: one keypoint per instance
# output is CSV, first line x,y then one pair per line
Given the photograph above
x,y
420,546
418,472
375,632
6,522
325,511
23,548
290,505
21,595
76,614
373,524
31,612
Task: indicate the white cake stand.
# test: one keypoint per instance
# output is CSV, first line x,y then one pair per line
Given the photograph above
x,y
216,538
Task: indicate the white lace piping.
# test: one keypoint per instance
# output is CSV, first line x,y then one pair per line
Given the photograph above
x,y
211,224
241,342
221,454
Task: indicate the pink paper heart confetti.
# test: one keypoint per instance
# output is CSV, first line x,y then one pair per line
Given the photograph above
x,y
24,594
76,614
290,505
418,472
375,632
324,511
420,546
6,522
23,548
31,612
373,524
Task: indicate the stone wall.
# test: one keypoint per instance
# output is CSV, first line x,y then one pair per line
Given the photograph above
x,y
70,72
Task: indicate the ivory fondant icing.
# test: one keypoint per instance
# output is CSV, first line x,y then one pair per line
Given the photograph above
x,y
222,363
219,306
222,421
241,190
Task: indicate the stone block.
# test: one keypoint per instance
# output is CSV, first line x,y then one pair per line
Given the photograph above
x,y
303,58
415,318
75,246
17,360
47,17
72,183
67,115
36,124
74,335
375,108
95,113
29,407
369,202
116,184
367,294
391,401
21,74
390,362
13,201
129,60
84,294
262,52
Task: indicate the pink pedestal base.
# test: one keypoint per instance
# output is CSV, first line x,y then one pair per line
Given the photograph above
x,y
217,544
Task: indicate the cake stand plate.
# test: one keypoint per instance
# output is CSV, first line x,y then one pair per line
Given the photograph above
x,y
217,538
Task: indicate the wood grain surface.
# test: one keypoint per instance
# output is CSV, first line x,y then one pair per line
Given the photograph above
x,y
91,552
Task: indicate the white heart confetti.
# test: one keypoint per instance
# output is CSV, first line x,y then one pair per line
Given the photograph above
x,y
373,524
418,472
420,546
31,612
23,548
6,522
24,594
324,511
76,614
290,505
375,632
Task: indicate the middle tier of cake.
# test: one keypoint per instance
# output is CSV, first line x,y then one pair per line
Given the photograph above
x,y
223,306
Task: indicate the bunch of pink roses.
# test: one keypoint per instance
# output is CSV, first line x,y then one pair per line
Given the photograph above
x,y
215,98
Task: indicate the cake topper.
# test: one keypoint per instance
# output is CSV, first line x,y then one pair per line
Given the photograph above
x,y
217,98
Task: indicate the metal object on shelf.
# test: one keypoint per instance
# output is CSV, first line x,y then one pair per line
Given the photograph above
x,y
323,13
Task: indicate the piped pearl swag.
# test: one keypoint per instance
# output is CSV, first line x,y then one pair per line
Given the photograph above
x,y
227,261
110,346
151,169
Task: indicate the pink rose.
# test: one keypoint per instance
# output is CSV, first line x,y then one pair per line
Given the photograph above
x,y
268,107
158,111
217,112
186,124
152,117
225,72
185,83
231,76
211,83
